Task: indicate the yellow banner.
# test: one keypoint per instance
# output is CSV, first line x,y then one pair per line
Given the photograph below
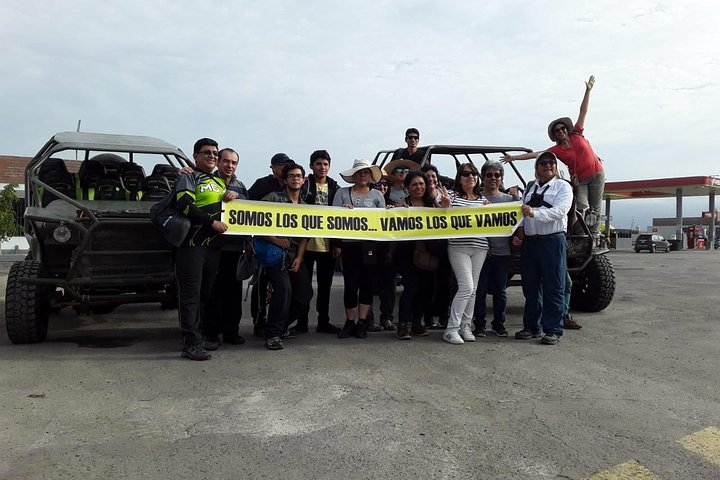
x,y
245,217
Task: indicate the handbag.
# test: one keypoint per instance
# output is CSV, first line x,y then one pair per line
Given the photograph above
x,y
245,267
423,259
267,254
173,225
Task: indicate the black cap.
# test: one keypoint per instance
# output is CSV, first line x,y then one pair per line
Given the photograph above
x,y
280,159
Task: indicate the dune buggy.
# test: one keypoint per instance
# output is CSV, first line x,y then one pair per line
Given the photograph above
x,y
590,268
92,245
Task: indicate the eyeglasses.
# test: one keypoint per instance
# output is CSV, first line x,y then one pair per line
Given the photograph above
x,y
209,153
381,185
401,170
559,129
413,137
493,175
294,176
467,174
545,163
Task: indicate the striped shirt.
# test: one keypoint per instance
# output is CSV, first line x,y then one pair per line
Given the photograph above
x,y
476,242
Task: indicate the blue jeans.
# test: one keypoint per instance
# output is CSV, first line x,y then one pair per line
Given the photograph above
x,y
568,291
493,280
543,282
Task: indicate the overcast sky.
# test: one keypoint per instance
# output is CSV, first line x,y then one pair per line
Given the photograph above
x,y
351,76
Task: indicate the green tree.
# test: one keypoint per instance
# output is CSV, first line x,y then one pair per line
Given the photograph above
x,y
8,223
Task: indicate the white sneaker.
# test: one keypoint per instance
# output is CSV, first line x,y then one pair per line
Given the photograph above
x,y
466,333
452,336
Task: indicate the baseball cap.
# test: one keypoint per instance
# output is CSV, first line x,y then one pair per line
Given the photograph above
x,y
280,159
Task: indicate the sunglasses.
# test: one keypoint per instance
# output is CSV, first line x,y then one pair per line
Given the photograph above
x,y
401,170
493,175
545,163
209,153
413,137
381,185
467,174
559,129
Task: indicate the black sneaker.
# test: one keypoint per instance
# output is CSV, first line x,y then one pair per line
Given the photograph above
x,y
479,332
499,331
211,344
527,334
550,339
234,339
403,331
195,352
348,329
361,329
327,328
419,330
274,343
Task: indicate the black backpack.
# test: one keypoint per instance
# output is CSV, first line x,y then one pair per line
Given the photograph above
x,y
173,225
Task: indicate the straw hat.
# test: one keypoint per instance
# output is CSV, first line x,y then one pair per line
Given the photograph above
x,y
565,121
389,167
362,164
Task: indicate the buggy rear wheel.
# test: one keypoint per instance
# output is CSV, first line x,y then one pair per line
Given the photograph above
x,y
594,287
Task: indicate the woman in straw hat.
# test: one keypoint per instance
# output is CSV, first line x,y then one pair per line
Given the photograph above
x,y
356,273
575,151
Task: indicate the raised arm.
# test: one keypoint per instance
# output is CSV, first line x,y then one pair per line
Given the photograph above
x,y
522,156
585,101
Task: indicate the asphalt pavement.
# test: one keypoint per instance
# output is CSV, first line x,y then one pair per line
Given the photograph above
x,y
634,394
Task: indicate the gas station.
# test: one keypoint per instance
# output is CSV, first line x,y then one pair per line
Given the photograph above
x,y
678,187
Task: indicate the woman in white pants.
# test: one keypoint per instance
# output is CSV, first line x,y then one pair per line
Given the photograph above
x,y
467,256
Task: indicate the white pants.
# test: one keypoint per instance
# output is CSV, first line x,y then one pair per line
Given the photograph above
x,y
467,263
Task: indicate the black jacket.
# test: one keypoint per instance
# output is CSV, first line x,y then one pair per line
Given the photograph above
x,y
309,190
264,186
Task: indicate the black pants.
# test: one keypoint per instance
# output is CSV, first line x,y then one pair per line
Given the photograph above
x,y
325,271
357,276
417,293
195,271
224,310
300,296
384,286
444,290
279,308
291,295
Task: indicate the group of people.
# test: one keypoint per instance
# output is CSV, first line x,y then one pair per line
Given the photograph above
x,y
208,286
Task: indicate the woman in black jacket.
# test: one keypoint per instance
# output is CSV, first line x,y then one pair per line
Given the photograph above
x,y
418,281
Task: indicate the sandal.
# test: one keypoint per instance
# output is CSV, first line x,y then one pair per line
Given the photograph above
x,y
388,325
374,327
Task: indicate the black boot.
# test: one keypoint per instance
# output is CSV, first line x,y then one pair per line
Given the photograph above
x,y
361,329
348,329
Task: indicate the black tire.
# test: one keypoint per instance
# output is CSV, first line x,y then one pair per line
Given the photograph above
x,y
594,287
653,249
169,304
637,250
26,305
102,309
